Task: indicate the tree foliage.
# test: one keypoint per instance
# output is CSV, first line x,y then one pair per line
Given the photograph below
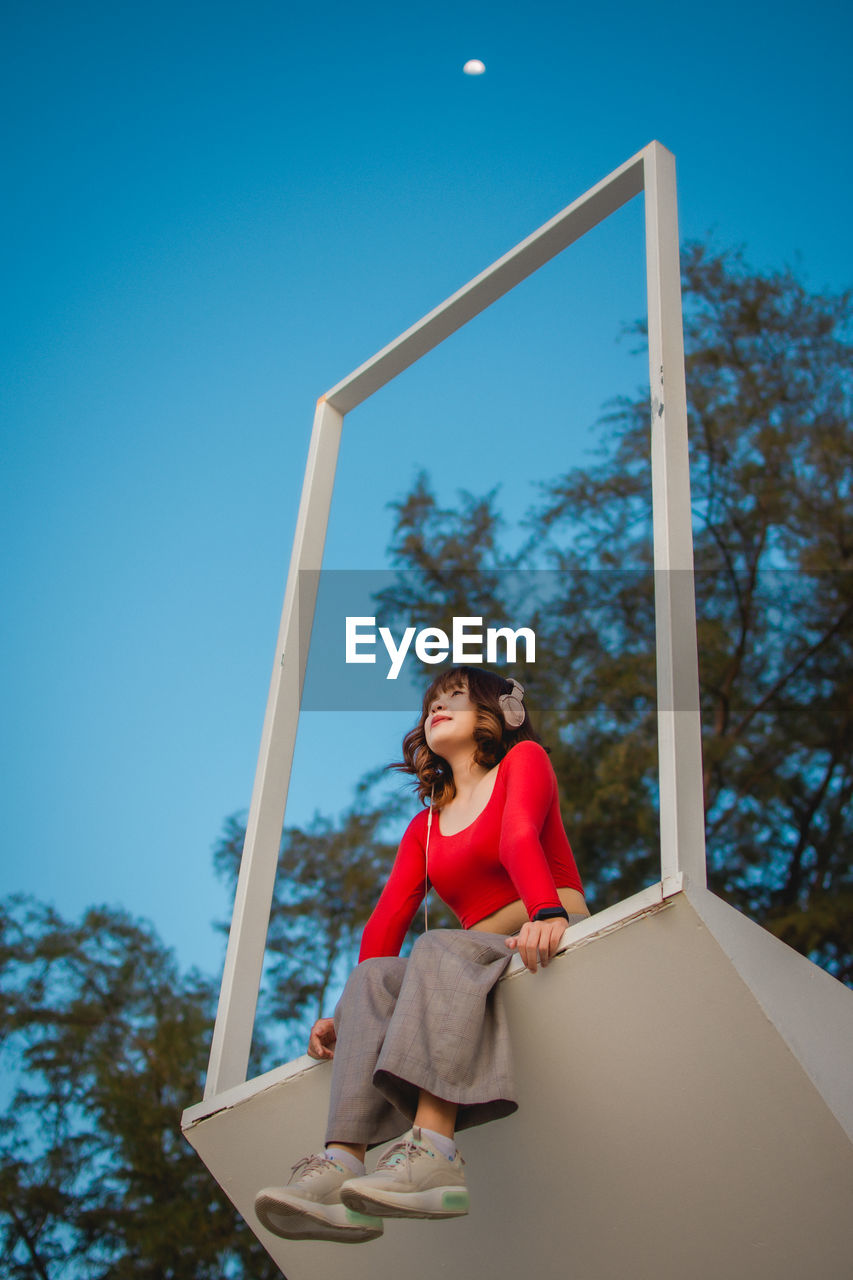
x,y
104,1043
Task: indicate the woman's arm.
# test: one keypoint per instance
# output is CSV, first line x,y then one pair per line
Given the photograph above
x,y
403,894
531,791
385,930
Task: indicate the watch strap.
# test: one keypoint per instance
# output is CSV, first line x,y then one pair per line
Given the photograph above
x,y
551,913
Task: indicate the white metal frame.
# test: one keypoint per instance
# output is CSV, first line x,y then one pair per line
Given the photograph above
x,y
651,171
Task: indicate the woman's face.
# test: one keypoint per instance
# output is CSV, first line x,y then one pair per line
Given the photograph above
x,y
450,720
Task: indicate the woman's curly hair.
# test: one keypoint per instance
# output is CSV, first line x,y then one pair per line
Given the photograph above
x,y
492,737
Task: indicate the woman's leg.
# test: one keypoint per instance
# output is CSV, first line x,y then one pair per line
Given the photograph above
x,y
443,1033
359,1115
309,1207
377,990
448,1042
356,1149
421,1176
445,1045
436,1113
432,1113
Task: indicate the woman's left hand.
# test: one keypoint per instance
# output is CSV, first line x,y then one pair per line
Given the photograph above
x,y
537,941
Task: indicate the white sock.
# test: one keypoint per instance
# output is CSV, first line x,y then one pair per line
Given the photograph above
x,y
445,1145
347,1159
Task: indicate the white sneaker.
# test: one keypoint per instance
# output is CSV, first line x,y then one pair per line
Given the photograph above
x,y
310,1208
412,1180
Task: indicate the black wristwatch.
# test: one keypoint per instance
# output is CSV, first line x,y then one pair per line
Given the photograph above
x,y
551,913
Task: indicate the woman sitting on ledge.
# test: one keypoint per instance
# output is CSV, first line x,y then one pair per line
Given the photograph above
x,y
422,1044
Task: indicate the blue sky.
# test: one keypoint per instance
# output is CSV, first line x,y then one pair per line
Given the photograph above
x,y
213,213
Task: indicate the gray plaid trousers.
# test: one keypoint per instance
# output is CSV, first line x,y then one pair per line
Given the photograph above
x,y
434,1022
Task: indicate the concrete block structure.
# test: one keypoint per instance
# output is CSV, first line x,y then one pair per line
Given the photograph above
x,y
686,1113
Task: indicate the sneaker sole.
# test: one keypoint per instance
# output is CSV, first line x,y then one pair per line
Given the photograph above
x,y
438,1202
298,1220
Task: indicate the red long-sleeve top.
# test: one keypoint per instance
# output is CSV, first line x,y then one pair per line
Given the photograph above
x,y
516,848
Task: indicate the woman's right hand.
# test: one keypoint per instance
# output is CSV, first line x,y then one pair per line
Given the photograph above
x,y
321,1043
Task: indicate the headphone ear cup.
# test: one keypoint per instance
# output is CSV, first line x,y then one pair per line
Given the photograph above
x,y
512,706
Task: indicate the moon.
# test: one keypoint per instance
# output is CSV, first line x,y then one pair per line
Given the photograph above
x,y
474,67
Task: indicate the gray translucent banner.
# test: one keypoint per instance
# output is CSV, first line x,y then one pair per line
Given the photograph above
x,y
379,636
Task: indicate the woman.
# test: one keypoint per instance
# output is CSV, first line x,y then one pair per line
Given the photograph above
x,y
423,1042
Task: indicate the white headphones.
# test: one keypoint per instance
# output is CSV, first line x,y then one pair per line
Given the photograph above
x,y
512,705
